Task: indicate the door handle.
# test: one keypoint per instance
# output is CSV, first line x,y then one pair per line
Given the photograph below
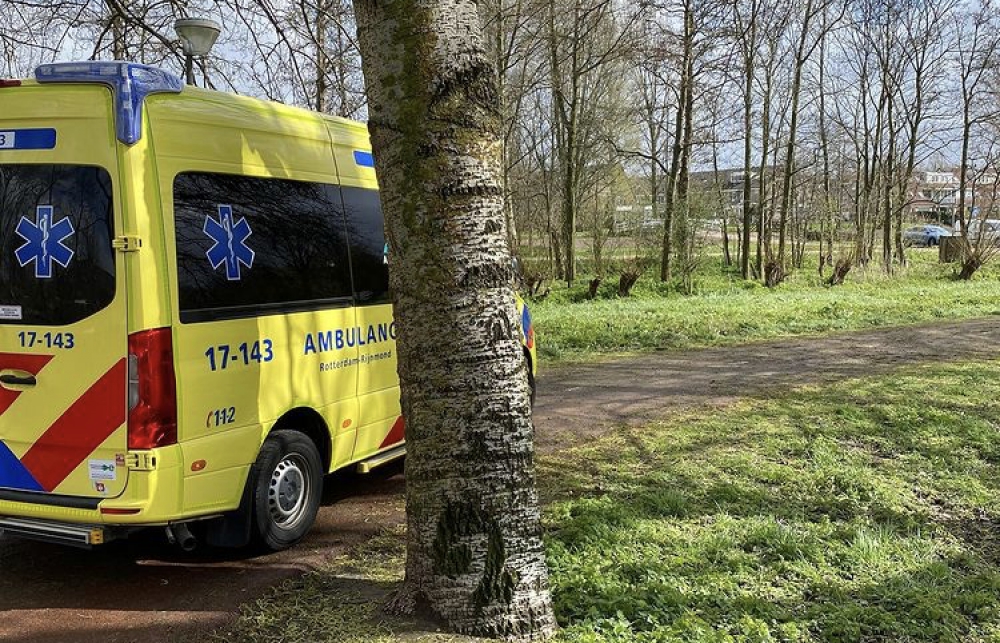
x,y
15,378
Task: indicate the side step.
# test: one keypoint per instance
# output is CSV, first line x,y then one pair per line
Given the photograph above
x,y
377,460
62,533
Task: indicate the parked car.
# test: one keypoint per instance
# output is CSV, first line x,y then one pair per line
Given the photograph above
x,y
925,235
988,228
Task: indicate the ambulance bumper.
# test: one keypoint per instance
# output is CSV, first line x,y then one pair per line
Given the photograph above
x,y
55,532
152,497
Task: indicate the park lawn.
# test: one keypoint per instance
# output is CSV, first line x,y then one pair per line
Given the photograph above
x,y
866,510
723,309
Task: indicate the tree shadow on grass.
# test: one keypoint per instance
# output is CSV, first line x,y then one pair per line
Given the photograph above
x,y
844,571
812,512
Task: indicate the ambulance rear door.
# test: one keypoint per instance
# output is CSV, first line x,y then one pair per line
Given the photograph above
x,y
63,344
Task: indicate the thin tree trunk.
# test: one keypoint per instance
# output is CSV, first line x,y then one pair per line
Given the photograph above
x,y
748,43
889,166
322,64
727,257
787,185
747,171
474,550
666,252
677,158
827,215
684,173
763,230
117,29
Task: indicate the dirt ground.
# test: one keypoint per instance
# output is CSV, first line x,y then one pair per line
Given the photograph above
x,y
144,591
577,401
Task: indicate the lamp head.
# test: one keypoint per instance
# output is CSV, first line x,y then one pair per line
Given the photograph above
x,y
197,35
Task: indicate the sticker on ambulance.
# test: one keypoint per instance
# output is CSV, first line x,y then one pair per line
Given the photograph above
x,y
364,159
44,241
28,139
102,469
230,247
10,312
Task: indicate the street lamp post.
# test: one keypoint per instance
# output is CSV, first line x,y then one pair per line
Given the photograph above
x,y
197,36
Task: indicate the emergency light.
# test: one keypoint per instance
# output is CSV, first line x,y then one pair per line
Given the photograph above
x,y
130,83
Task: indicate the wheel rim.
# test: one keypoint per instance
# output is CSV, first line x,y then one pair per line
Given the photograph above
x,y
289,491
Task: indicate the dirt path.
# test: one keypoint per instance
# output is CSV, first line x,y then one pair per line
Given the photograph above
x,y
578,401
141,591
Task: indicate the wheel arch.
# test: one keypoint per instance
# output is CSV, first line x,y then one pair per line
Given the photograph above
x,y
233,529
307,421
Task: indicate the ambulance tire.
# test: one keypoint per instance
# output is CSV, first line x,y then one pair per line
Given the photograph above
x,y
287,483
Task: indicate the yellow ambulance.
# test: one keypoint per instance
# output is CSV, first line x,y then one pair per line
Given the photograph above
x,y
194,315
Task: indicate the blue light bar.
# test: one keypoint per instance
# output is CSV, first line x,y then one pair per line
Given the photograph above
x,y
130,82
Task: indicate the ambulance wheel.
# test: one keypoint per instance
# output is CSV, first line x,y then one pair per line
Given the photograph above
x,y
288,483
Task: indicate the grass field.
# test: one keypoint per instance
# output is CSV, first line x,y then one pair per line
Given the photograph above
x,y
726,310
863,511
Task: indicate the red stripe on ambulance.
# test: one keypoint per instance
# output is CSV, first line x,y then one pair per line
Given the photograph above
x,y
396,434
82,428
18,361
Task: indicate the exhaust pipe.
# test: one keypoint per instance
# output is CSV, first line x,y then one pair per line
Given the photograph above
x,y
181,536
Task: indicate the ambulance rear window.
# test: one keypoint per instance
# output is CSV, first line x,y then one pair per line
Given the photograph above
x,y
369,250
57,265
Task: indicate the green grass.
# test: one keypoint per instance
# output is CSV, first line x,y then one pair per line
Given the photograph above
x,y
726,310
862,511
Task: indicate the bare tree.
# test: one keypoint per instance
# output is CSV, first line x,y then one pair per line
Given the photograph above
x,y
810,36
749,33
977,51
926,41
654,84
301,52
583,40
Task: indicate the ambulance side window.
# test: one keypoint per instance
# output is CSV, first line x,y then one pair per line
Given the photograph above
x,y
369,259
249,246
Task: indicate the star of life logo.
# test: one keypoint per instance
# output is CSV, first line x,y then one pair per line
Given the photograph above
x,y
230,247
45,242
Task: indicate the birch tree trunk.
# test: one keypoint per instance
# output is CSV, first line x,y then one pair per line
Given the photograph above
x,y
474,550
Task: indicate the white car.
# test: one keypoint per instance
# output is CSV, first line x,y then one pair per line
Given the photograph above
x,y
988,229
